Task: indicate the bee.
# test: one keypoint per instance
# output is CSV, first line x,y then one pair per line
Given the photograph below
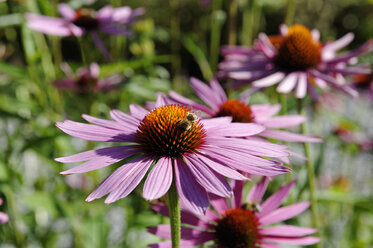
x,y
252,206
185,124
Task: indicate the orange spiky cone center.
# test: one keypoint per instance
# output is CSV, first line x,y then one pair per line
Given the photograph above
x,y
238,229
240,111
297,50
162,133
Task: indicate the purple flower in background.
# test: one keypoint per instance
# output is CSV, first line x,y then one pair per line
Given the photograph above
x,y
113,21
238,224
177,146
86,79
4,218
219,105
295,60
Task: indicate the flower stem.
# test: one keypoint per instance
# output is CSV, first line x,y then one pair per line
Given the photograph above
x,y
290,11
174,211
310,170
217,20
232,19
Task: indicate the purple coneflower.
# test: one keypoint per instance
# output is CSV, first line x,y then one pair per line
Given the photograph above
x,y
263,114
193,153
86,79
4,218
238,224
296,60
113,21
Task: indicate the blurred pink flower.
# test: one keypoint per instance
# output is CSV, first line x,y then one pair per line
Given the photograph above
x,y
237,223
196,156
4,218
263,114
296,60
113,21
86,79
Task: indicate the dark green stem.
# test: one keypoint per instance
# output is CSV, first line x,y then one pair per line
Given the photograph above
x,y
217,19
232,19
248,23
310,170
174,211
290,11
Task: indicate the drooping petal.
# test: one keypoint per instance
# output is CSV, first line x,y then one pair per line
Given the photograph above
x,y
119,116
288,83
269,80
189,103
207,178
138,112
301,89
192,196
237,193
219,91
159,180
129,181
108,124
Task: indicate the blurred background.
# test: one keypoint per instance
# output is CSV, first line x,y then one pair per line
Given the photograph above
x,y
172,41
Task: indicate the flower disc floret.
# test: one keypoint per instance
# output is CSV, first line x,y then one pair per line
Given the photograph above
x,y
160,132
298,50
239,111
86,18
238,229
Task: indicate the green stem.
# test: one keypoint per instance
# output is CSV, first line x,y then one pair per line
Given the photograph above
x,y
248,23
232,19
174,211
310,170
217,19
290,11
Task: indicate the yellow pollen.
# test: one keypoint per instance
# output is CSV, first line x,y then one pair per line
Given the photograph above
x,y
297,50
162,132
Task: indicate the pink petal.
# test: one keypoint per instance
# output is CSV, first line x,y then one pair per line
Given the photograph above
x,y
219,91
287,231
205,93
187,102
284,121
66,11
237,192
276,199
340,43
288,136
288,83
258,190
115,179
236,130
264,111
159,180
192,196
220,204
129,181
284,213
294,241
269,80
220,168
138,112
301,89
109,124
101,161
207,178
119,116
